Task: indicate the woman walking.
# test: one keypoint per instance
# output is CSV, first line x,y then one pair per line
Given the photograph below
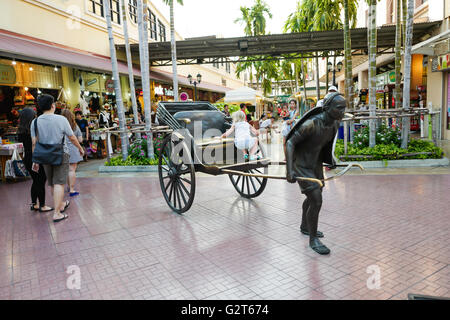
x,y
38,187
74,154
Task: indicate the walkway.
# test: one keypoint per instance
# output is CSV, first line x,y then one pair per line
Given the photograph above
x,y
128,245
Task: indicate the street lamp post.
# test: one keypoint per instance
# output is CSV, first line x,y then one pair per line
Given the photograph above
x,y
199,79
337,67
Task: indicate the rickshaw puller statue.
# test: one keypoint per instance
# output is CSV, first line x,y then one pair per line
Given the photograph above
x,y
309,145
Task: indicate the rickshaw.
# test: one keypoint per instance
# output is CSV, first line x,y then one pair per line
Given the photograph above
x,y
193,146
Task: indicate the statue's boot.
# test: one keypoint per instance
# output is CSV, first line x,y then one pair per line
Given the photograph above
x,y
318,246
319,234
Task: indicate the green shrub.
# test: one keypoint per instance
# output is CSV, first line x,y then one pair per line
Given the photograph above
x,y
117,161
384,135
231,107
389,151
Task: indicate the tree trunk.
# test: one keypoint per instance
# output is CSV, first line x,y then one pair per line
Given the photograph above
x,y
130,66
348,57
407,74
145,72
174,53
404,13
372,70
304,84
398,55
317,76
296,77
327,77
118,91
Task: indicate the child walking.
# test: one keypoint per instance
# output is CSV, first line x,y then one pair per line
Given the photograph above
x,y
242,137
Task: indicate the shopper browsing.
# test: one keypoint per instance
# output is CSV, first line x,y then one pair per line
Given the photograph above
x,y
38,186
49,133
242,137
74,154
84,128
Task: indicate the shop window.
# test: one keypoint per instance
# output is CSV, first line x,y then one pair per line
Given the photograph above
x,y
162,31
96,7
152,25
132,8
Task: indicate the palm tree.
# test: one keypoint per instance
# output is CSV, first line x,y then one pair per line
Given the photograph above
x,y
247,20
145,71
398,54
118,91
349,13
130,66
372,43
407,73
173,45
254,20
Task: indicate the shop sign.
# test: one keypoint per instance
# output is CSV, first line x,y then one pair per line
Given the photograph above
x,y
184,96
392,77
7,74
109,86
440,63
91,82
159,90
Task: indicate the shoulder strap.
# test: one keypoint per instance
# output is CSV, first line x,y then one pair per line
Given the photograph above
x,y
36,128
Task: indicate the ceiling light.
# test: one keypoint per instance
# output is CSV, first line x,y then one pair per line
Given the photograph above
x,y
30,68
14,62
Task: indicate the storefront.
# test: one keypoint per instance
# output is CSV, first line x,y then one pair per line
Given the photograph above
x,y
441,64
20,84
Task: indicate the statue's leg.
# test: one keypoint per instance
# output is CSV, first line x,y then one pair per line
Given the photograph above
x,y
312,215
304,225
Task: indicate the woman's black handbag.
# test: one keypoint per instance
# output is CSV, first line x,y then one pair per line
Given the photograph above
x,y
51,154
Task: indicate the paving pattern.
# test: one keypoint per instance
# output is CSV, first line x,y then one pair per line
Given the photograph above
x,y
128,245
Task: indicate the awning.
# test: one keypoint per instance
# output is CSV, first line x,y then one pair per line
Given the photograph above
x,y
163,76
21,47
427,47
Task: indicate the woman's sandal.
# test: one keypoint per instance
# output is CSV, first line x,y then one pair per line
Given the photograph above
x,y
65,216
66,206
32,207
48,210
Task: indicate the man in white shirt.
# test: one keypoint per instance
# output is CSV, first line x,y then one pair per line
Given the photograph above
x,y
330,90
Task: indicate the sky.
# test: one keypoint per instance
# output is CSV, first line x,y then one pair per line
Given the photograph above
x,y
198,18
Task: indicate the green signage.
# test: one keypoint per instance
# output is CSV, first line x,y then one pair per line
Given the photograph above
x,y
392,77
7,74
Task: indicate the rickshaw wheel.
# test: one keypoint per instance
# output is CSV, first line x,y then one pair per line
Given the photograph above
x,y
250,187
176,174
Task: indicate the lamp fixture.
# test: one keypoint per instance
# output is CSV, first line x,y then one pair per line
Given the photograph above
x,y
56,68
199,77
14,62
30,68
26,88
49,85
103,75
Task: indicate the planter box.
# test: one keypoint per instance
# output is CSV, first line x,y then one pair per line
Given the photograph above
x,y
402,163
128,169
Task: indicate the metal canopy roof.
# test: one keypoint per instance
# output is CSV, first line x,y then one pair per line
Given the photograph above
x,y
290,45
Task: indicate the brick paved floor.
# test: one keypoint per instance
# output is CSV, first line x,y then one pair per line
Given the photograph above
x,y
128,245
